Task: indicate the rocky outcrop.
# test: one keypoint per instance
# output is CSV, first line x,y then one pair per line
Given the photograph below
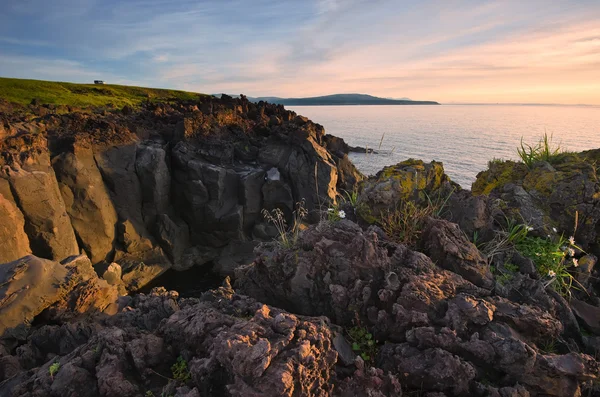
x,y
36,193
410,180
15,243
87,201
459,309
440,326
222,344
32,285
165,185
564,195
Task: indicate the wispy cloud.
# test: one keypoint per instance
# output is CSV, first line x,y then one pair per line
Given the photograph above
x,y
464,50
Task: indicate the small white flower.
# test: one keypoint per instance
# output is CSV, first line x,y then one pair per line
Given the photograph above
x,y
548,236
538,254
551,273
529,228
554,230
342,214
330,210
571,252
572,240
575,262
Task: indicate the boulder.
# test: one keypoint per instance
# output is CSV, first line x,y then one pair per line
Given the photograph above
x,y
31,285
448,247
87,201
564,195
409,180
15,243
46,221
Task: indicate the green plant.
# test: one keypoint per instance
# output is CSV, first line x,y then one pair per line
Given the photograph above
x,y
438,203
363,343
287,237
405,223
505,273
506,239
351,197
548,346
53,369
149,394
553,259
180,370
495,160
543,150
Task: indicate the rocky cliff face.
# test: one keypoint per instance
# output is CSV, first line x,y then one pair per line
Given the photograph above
x,y
163,186
419,288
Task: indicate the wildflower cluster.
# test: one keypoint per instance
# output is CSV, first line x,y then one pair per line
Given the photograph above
x,y
334,214
554,259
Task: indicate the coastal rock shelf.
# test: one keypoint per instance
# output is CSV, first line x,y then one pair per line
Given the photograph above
x,y
163,186
409,285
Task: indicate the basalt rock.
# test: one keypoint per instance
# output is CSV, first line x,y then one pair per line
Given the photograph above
x,y
439,332
410,180
230,345
149,188
564,195
31,285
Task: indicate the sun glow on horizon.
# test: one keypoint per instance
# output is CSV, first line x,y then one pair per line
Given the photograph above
x,y
486,52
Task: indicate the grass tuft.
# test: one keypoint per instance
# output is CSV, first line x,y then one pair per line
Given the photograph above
x,y
543,150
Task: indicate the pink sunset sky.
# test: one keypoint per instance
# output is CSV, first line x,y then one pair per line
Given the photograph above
x,y
448,51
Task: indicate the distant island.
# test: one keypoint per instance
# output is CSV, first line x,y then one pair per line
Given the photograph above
x,y
338,99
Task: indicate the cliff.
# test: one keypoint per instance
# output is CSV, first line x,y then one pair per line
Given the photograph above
x,y
399,284
161,186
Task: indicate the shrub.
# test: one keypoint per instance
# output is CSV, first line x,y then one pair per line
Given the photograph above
x,y
180,370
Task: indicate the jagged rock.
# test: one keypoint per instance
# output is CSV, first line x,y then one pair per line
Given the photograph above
x,y
371,382
232,345
588,314
440,329
31,285
46,221
408,180
87,201
338,270
474,214
447,245
431,369
15,243
113,274
547,196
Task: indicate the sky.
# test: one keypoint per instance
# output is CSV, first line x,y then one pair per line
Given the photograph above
x,y
505,51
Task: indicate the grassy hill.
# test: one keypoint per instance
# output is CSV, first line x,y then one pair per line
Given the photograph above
x,y
82,95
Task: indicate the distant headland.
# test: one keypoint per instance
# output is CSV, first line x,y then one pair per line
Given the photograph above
x,y
339,99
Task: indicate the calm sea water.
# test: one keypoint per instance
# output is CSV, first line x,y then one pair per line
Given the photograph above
x,y
463,137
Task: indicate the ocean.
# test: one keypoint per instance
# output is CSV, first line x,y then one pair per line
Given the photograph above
x,y
463,137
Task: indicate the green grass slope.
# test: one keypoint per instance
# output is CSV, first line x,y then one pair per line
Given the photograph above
x,y
22,92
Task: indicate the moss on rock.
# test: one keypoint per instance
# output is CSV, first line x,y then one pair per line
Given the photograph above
x,y
498,175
